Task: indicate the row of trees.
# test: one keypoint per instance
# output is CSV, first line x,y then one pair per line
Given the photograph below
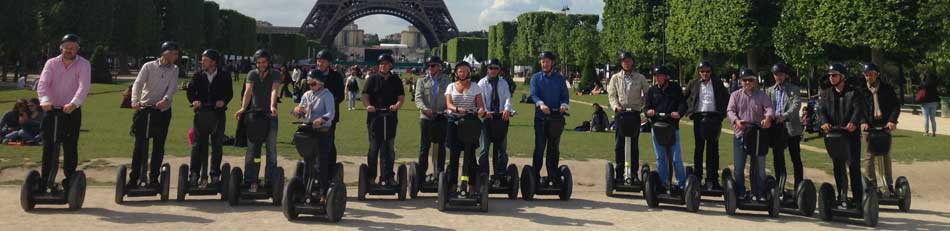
x,y
902,36
122,30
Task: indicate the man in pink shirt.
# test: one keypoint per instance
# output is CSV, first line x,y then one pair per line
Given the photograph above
x,y
750,110
63,85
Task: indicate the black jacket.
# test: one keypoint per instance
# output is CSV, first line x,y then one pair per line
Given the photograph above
x,y
839,109
693,91
665,100
334,83
209,93
887,98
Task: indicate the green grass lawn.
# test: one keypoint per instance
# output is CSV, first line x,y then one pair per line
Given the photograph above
x,y
106,133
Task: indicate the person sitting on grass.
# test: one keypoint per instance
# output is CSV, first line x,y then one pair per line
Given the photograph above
x,y
11,119
29,120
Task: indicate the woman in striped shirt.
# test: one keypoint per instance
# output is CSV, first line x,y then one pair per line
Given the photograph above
x,y
463,99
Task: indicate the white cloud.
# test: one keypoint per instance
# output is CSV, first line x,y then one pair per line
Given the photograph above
x,y
508,10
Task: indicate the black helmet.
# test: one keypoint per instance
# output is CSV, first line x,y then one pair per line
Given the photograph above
x,y
837,67
434,59
262,53
319,78
869,67
747,73
70,38
324,54
548,55
493,62
385,57
212,54
780,67
463,63
169,45
625,55
704,64
661,69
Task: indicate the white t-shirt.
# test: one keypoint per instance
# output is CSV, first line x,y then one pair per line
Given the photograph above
x,y
464,100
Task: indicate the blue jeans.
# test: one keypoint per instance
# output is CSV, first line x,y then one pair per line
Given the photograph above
x,y
661,165
252,160
930,114
499,153
757,168
21,135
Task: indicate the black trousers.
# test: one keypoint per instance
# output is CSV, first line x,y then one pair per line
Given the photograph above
x,y
853,171
793,143
199,151
140,152
619,144
425,146
381,153
711,146
51,148
469,164
542,143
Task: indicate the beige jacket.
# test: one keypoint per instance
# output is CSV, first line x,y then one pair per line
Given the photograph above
x,y
621,96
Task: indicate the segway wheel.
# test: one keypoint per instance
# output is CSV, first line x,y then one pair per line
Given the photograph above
x,y
774,200
120,184
292,195
692,195
182,182
225,177
513,181
403,177
414,180
336,202
729,194
869,205
567,183
277,187
339,173
363,184
30,185
483,183
826,199
903,192
443,191
528,183
77,191
806,198
650,189
234,186
609,183
644,171
165,181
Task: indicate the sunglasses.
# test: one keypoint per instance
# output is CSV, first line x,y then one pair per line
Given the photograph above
x,y
434,65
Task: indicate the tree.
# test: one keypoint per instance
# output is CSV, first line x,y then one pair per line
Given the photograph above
x,y
16,47
637,26
126,14
95,22
790,37
501,42
212,24
587,76
858,24
147,30
100,66
711,30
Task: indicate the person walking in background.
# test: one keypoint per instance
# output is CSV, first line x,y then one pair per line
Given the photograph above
x,y
352,88
928,100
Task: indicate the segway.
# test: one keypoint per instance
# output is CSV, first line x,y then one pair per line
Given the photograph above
x,y
654,192
303,193
142,188
532,184
420,181
272,188
73,190
509,183
710,123
460,195
879,143
383,128
800,200
190,184
830,205
628,126
752,137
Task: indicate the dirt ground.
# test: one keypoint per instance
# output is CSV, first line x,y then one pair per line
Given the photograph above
x,y
588,209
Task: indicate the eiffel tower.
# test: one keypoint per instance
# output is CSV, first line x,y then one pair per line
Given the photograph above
x,y
431,17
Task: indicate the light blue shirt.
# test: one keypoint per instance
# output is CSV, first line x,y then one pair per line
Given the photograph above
x,y
317,105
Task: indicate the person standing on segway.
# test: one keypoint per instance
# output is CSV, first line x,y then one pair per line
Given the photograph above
x,y
706,100
209,88
840,106
260,100
430,99
154,87
462,98
787,129
667,98
382,90
625,91
747,107
496,95
332,81
63,84
882,110
317,106
547,89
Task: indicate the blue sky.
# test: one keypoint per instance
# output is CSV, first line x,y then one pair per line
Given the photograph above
x,y
469,15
